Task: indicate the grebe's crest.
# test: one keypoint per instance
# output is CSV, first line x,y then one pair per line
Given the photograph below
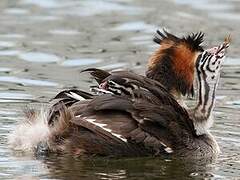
x,y
173,63
193,41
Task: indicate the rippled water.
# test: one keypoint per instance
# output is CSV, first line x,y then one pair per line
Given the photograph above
x,y
44,44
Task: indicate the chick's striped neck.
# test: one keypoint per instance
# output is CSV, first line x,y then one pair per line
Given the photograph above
x,y
207,85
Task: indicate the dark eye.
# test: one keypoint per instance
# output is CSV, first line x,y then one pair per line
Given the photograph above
x,y
213,77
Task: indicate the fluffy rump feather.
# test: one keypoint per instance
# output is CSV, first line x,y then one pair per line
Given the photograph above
x,y
32,130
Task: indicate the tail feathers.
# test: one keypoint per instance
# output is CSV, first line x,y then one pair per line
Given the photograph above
x,y
31,131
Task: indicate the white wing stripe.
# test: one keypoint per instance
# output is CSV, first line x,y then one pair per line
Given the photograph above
x,y
75,96
106,129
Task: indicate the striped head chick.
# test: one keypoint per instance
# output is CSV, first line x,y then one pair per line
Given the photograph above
x,y
208,68
172,64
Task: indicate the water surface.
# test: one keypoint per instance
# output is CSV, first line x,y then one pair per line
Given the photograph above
x,y
44,44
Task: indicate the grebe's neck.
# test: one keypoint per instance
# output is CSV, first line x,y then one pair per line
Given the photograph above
x,y
202,113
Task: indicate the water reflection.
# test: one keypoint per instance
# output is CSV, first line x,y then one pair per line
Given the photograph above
x,y
42,3
136,26
234,62
4,69
43,18
63,32
235,103
13,97
207,5
27,168
81,62
224,10
138,40
9,52
16,11
226,16
6,44
137,168
12,36
115,66
39,57
40,42
84,8
26,82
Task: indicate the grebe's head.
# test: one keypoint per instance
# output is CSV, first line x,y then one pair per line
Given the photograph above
x,y
209,62
174,61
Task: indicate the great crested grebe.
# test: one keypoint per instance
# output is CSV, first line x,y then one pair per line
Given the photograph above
x,y
172,64
150,123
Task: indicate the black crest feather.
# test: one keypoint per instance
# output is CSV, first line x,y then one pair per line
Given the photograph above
x,y
160,36
194,41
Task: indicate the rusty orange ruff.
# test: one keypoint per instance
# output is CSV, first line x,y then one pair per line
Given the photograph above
x,y
183,60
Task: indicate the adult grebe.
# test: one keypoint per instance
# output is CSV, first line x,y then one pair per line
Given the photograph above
x,y
152,123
